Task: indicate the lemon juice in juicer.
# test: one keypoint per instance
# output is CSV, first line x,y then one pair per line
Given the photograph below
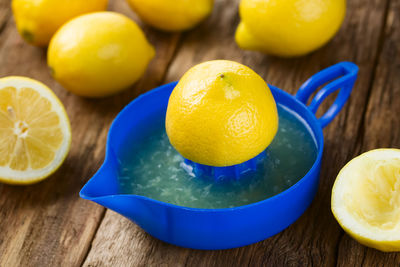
x,y
220,114
219,159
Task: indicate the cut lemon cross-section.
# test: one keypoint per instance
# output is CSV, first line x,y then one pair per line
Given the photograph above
x,y
35,133
366,199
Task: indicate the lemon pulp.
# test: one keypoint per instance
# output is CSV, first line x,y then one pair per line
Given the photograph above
x,y
375,200
366,199
151,167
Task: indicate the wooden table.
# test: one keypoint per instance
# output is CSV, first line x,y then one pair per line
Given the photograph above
x,y
47,224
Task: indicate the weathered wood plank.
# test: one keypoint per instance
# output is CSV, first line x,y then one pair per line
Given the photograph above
x,y
380,130
313,239
4,14
47,224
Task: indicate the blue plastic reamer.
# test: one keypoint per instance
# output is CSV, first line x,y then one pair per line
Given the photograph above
x,y
228,172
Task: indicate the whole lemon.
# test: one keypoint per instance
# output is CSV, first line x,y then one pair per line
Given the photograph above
x,y
38,20
171,15
221,113
288,27
99,54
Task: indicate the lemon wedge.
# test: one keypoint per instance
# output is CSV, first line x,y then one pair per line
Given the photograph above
x,y
366,199
35,133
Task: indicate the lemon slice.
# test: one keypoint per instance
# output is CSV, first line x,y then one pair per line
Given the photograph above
x,y
35,133
366,199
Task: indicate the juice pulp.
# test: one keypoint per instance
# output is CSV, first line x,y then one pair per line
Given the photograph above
x,y
153,168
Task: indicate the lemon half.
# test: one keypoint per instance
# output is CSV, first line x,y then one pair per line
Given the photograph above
x,y
221,113
366,199
35,133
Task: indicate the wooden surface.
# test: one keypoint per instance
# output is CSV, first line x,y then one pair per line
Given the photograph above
x,y
47,224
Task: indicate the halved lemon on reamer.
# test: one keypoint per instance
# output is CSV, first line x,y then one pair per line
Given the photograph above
x,y
35,133
366,199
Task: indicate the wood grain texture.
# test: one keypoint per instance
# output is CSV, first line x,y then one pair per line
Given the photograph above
x,y
316,238
380,129
47,224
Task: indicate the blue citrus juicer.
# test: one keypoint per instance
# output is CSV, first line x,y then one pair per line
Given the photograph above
x,y
228,172
227,227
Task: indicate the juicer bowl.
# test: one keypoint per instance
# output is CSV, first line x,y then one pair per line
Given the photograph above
x,y
228,227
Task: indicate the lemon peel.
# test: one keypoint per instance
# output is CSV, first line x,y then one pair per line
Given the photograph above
x,y
221,113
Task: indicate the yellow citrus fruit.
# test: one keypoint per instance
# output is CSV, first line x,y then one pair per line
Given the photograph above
x,y
366,199
35,133
221,113
99,54
38,20
288,28
168,15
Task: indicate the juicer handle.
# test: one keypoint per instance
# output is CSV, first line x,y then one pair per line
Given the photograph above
x,y
341,77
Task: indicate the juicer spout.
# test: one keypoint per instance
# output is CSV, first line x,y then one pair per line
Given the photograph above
x,y
103,183
103,188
